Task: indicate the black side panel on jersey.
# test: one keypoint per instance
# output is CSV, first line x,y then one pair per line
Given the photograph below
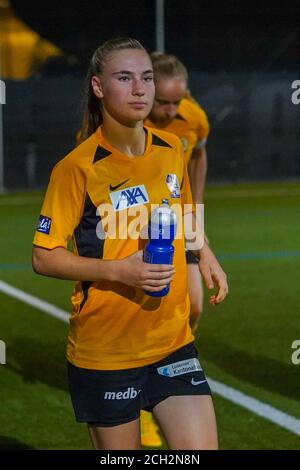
x,y
87,242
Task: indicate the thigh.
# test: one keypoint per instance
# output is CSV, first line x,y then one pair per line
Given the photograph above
x,y
123,437
179,374
103,398
188,422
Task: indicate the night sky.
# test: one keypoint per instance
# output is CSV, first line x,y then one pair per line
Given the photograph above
x,y
206,35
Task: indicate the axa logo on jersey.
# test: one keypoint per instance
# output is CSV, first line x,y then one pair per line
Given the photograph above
x,y
129,197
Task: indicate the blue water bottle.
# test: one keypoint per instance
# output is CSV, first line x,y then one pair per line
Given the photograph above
x,y
161,233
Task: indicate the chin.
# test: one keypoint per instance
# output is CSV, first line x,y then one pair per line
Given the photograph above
x,y
140,115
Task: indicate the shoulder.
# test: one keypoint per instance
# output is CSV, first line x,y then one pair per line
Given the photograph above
x,y
190,106
164,139
80,158
195,115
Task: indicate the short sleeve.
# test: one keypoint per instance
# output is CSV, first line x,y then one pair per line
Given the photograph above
x,y
185,188
203,125
62,206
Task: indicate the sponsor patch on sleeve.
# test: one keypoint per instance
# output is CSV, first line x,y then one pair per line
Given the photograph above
x,y
44,224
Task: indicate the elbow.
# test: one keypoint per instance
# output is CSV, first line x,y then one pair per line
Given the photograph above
x,y
38,263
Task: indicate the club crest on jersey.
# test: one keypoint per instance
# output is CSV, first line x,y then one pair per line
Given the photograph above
x,y
173,185
129,197
44,225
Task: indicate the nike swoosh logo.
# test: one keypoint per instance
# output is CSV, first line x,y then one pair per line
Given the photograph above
x,y
113,188
194,382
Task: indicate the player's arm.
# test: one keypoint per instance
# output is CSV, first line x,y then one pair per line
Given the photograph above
x,y
63,264
197,172
209,266
212,274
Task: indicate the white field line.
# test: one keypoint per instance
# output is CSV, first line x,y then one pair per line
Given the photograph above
x,y
254,405
34,302
258,407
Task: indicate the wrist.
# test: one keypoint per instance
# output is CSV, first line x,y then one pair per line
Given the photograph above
x,y
204,250
113,270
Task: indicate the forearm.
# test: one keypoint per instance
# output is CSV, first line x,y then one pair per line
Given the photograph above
x,y
197,172
204,251
63,264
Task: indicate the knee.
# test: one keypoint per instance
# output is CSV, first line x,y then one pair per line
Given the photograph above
x,y
205,443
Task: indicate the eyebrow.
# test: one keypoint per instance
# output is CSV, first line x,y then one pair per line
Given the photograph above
x,y
128,72
167,101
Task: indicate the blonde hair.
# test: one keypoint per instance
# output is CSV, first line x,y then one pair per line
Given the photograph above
x,y
167,65
92,115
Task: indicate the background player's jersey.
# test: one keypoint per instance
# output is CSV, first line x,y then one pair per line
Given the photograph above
x,y
114,326
190,125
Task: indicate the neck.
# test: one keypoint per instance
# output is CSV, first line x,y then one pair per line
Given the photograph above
x,y
159,124
129,140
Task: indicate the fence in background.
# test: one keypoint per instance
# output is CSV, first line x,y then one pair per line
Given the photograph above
x,y
254,126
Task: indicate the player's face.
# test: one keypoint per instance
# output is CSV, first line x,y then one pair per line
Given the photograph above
x,y
126,86
168,94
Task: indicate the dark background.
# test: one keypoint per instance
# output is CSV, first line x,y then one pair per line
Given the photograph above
x,y
242,58
212,35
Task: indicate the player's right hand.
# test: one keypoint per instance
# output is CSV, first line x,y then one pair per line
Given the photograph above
x,y
151,277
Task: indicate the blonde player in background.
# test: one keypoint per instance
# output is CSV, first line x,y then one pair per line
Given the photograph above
x,y
174,110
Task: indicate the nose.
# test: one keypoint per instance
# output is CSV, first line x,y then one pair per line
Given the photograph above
x,y
138,87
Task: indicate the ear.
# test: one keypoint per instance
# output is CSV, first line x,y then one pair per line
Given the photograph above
x,y
97,87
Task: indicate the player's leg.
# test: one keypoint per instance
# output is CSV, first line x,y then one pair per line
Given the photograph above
x,y
109,401
188,422
123,437
195,289
179,395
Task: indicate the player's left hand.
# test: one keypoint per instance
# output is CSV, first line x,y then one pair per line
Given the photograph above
x,y
213,274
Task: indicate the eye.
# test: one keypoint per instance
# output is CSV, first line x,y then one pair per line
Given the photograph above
x,y
149,78
123,78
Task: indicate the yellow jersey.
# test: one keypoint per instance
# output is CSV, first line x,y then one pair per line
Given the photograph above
x,y
112,325
190,125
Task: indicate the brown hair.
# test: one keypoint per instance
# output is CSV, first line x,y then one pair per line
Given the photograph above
x,y
167,65
92,115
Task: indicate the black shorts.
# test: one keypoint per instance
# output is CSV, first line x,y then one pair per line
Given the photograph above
x,y
113,397
190,258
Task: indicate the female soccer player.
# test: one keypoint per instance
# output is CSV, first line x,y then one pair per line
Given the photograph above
x,y
126,351
174,110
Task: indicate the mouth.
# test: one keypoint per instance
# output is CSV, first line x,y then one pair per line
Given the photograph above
x,y
138,104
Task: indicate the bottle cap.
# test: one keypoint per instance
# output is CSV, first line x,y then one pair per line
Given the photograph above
x,y
165,201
